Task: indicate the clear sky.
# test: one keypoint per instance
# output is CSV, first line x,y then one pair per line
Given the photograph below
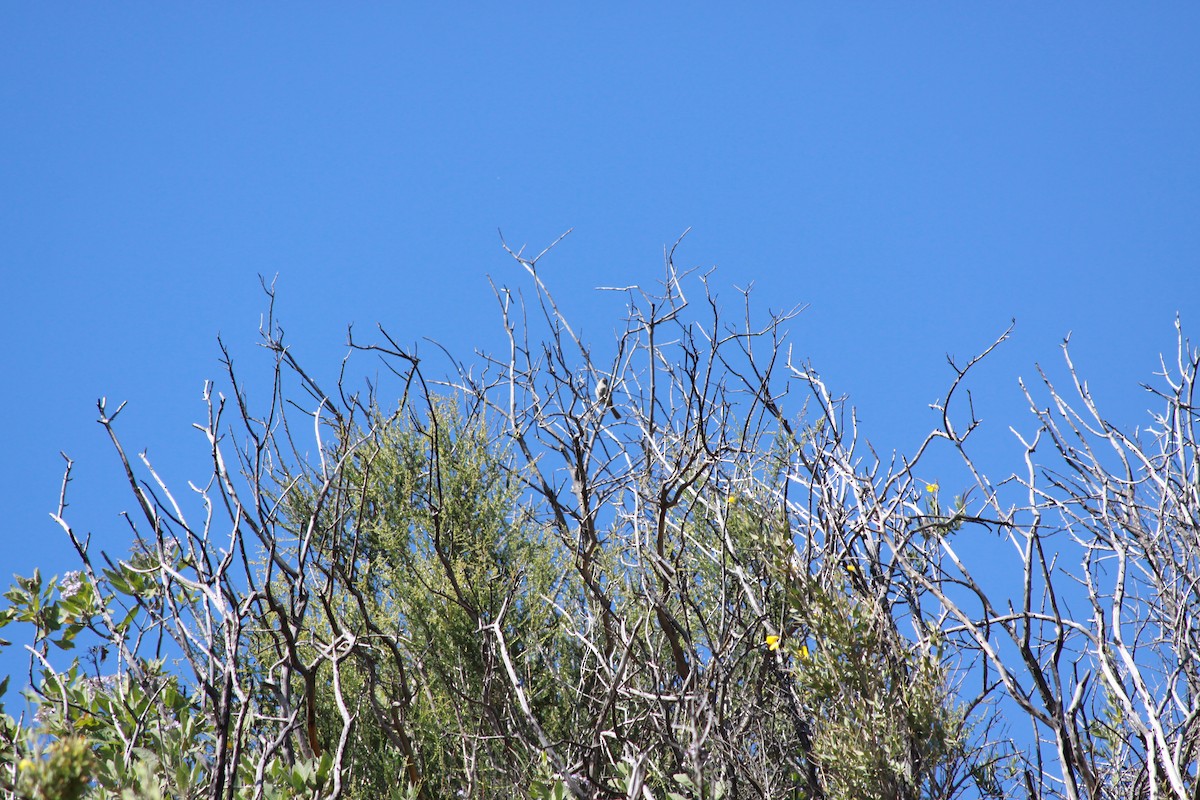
x,y
917,174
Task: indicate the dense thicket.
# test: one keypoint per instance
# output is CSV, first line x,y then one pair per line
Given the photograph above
x,y
662,566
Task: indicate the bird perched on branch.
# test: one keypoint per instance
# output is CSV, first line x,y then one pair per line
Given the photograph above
x,y
604,398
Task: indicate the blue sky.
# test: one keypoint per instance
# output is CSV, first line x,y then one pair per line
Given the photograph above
x,y
917,174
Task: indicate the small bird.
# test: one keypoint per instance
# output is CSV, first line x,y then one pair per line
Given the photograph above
x,y
604,398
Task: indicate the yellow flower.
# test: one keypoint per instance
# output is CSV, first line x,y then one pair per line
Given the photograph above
x,y
851,568
772,642
803,652
25,764
732,499
931,487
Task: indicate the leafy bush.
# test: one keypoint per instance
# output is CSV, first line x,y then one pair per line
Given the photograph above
x,y
501,588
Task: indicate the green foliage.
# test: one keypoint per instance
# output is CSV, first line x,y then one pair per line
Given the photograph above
x,y
436,544
299,781
442,548
883,720
507,591
56,621
63,773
